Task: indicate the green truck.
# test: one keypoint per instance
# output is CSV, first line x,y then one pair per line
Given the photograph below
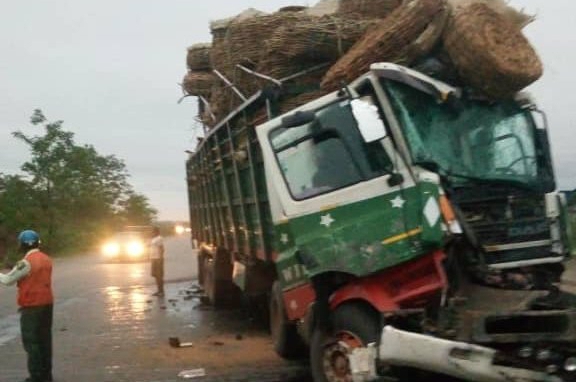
x,y
397,224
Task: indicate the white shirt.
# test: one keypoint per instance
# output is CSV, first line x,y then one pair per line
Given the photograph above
x,y
20,270
157,248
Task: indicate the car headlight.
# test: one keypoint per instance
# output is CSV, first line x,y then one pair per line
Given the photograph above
x,y
111,249
135,249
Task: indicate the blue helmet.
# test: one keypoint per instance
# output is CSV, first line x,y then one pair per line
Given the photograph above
x,y
28,237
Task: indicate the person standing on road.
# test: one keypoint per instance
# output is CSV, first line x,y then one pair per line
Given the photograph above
x,y
157,260
35,298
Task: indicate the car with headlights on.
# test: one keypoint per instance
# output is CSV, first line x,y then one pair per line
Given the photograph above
x,y
127,246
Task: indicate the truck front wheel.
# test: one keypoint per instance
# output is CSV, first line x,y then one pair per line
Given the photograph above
x,y
353,324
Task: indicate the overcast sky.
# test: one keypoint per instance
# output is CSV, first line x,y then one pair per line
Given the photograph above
x,y
109,69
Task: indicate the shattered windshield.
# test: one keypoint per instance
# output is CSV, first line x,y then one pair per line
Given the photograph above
x,y
474,141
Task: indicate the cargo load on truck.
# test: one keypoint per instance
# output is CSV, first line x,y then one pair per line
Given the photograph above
x,y
374,178
318,49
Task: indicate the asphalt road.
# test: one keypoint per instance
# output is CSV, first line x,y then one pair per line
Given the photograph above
x,y
109,328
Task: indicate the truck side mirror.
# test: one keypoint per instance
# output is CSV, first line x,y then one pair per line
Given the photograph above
x,y
369,122
395,179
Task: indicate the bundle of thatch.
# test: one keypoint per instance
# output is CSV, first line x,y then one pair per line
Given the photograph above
x,y
243,39
222,101
407,34
199,83
515,16
489,52
293,8
286,104
310,41
198,57
363,9
219,28
323,8
293,102
464,42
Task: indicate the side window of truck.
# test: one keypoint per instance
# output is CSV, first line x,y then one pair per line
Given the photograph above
x,y
326,154
317,165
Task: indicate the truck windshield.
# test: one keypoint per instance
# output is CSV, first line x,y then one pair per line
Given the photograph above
x,y
476,141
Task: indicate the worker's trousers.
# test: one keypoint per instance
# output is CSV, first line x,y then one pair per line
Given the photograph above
x,y
36,328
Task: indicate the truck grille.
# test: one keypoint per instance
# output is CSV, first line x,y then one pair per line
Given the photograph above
x,y
499,219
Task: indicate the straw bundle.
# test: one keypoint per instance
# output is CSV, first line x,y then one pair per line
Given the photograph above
x,y
222,101
293,8
293,102
287,104
311,40
367,8
198,57
219,28
242,42
490,52
199,83
407,34
515,16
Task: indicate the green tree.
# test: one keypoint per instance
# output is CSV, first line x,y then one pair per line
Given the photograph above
x,y
136,210
18,207
74,194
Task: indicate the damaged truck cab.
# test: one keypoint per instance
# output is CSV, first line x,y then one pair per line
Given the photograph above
x,y
414,205
404,223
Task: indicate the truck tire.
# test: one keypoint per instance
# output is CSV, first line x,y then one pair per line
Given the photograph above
x,y
354,324
285,338
217,280
200,267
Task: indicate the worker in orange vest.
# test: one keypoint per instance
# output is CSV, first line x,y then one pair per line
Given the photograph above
x,y
34,277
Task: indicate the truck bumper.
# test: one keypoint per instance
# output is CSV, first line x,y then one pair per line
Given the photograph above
x,y
457,359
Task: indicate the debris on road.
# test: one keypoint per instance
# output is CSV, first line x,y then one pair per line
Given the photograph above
x,y
193,373
175,343
194,289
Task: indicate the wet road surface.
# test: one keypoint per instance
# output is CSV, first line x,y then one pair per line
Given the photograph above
x,y
109,328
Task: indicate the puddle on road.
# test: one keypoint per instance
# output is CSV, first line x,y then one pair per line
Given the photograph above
x,y
118,299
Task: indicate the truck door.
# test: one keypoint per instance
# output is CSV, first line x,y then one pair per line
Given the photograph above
x,y
339,204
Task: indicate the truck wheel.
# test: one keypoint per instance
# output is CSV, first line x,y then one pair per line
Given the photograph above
x,y
216,274
355,325
208,277
212,286
285,338
200,260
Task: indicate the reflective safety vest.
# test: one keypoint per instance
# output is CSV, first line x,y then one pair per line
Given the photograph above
x,y
36,288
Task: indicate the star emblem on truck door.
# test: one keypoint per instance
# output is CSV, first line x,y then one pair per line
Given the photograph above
x,y
326,221
398,202
284,239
